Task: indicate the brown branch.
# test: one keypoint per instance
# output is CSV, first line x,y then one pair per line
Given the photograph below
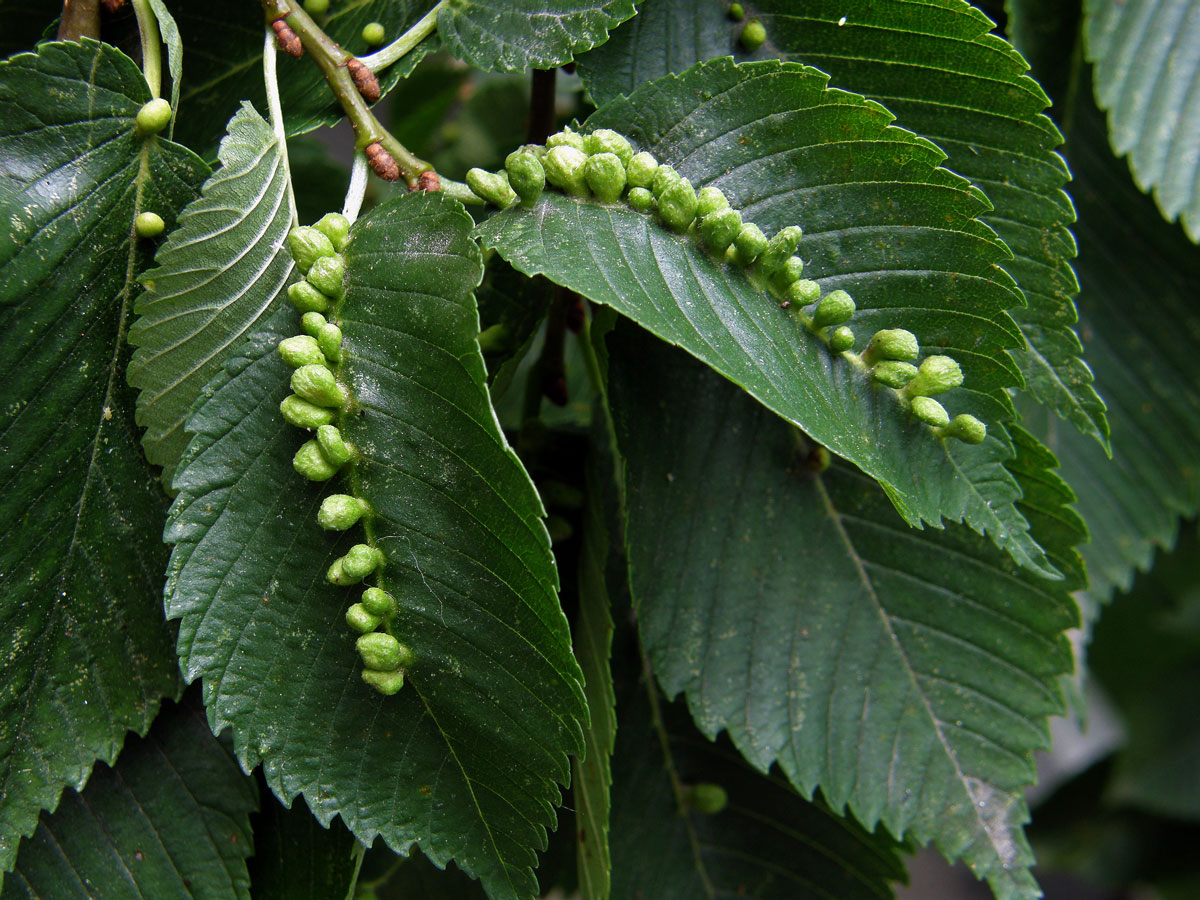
x,y
80,19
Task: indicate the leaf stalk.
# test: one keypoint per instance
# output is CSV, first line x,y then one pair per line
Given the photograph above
x,y
151,46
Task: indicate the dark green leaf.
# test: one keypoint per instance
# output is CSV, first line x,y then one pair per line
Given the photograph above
x,y
908,674
297,859
86,653
217,275
516,35
1147,58
934,64
880,219
223,44
463,761
767,842
171,821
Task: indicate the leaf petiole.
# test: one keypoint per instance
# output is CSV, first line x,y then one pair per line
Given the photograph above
x,y
151,46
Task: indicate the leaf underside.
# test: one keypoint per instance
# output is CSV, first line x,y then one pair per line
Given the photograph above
x,y
1147,58
87,654
909,675
170,821
463,761
217,275
936,66
880,220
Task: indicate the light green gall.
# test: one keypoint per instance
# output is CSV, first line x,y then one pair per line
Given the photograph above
x,y
301,350
335,574
835,308
307,245
791,270
737,12
708,799
495,339
891,343
374,33
677,205
382,652
526,175
329,339
605,140
316,7
307,298
310,462
710,199
641,199
492,187
780,248
566,169
311,323
362,621
719,228
326,275
930,411
148,225
336,450
841,340
605,174
154,116
379,602
641,170
753,35
664,177
566,138
299,412
803,291
749,243
387,683
361,560
966,428
316,384
340,511
893,373
336,227
937,375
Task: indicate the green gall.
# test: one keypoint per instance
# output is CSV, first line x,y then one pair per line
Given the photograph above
x,y
677,205
307,246
154,116
301,350
374,33
336,227
708,799
937,375
566,138
326,275
383,653
299,412
605,140
316,7
310,462
495,339
605,174
891,343
710,199
819,459
753,35
361,560
148,225
893,373
966,428
802,292
841,340
307,298
362,621
387,683
340,511
664,177
719,228
379,602
641,170
311,323
329,339
526,175
930,412
736,12
748,245
492,187
335,574
641,199
780,248
565,169
835,308
336,450
316,384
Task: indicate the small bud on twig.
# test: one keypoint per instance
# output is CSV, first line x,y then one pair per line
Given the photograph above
x,y
428,182
381,162
288,40
364,79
